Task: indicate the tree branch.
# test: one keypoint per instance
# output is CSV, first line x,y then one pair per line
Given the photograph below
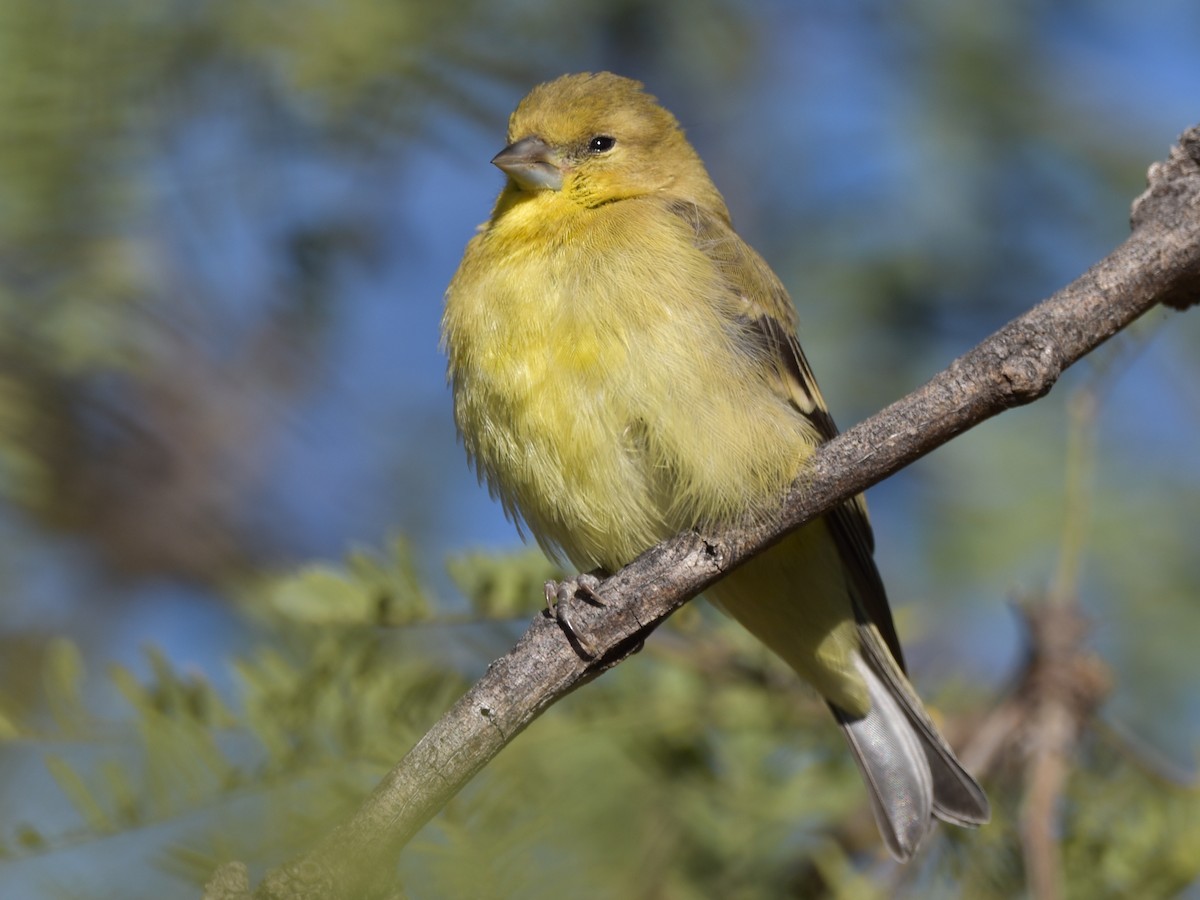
x,y
1158,263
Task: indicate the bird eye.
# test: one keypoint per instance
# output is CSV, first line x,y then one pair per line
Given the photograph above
x,y
601,143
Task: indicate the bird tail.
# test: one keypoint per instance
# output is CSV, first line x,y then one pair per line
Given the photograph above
x,y
911,773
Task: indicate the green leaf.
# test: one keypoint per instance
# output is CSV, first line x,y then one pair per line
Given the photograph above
x,y
81,796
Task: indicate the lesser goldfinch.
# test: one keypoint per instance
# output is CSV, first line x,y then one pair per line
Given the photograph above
x,y
624,368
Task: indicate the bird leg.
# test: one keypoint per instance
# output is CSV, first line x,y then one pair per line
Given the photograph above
x,y
560,595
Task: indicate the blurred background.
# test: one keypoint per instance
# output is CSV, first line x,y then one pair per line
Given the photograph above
x,y
243,563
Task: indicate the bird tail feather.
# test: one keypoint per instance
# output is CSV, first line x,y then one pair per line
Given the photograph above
x,y
911,773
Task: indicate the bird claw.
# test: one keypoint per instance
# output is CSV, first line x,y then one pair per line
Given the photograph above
x,y
561,594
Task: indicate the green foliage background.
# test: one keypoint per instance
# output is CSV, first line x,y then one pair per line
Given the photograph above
x,y
916,173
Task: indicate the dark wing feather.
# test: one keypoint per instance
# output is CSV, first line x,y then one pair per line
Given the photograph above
x,y
768,325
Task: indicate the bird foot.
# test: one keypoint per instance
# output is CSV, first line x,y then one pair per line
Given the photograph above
x,y
560,595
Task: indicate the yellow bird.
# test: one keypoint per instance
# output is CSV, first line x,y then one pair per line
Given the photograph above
x,y
625,367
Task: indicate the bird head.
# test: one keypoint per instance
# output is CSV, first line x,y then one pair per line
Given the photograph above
x,y
598,138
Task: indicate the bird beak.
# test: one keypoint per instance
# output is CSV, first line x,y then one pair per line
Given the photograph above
x,y
531,164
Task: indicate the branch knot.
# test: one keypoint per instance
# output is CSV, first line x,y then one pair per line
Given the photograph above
x,y
1026,378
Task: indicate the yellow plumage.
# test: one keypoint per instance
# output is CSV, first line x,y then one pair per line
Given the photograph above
x,y
625,367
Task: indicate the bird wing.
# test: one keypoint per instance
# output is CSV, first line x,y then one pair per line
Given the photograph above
x,y
767,325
